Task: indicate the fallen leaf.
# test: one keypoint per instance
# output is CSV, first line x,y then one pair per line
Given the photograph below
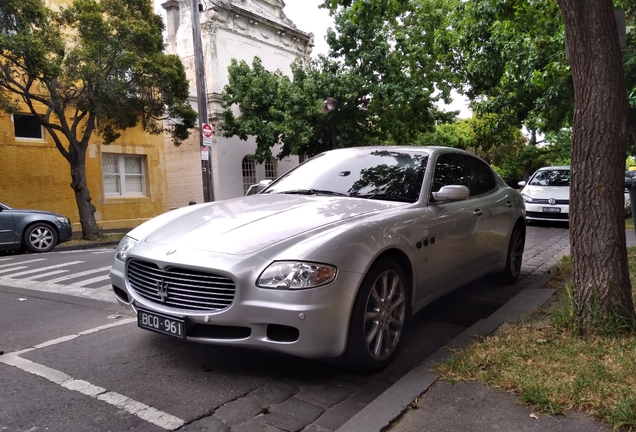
x,y
114,316
22,299
534,416
264,410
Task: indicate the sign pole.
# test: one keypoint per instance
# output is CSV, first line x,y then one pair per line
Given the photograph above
x,y
202,102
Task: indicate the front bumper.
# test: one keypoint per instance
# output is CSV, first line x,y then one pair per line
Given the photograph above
x,y
538,212
310,323
65,232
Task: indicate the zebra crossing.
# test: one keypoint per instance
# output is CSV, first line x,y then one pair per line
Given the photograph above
x,y
61,273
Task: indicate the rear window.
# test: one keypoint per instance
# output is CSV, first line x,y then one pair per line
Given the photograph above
x,y
551,178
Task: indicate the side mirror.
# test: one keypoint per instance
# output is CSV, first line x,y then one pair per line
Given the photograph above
x,y
451,193
256,188
521,183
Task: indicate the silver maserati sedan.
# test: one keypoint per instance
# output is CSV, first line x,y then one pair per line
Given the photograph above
x,y
330,260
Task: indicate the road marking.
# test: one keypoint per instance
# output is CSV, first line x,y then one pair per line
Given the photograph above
x,y
22,262
131,406
103,251
45,268
93,280
53,273
13,269
80,274
60,289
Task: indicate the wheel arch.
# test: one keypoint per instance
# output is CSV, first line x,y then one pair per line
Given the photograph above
x,y
35,222
521,223
407,267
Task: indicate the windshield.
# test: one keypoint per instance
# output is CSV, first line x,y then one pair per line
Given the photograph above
x,y
374,174
551,178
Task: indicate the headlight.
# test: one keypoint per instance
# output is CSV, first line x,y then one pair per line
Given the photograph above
x,y
124,246
526,198
290,275
63,219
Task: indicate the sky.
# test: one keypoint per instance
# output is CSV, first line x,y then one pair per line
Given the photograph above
x,y
310,19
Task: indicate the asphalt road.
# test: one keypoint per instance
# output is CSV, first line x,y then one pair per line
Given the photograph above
x,y
74,360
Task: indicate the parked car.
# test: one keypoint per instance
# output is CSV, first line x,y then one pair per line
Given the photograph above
x,y
329,260
32,230
547,194
256,188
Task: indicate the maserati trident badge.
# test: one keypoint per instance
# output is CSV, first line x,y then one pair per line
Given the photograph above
x,y
162,290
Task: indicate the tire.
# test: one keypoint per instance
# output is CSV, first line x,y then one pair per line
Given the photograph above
x,y
39,237
378,318
515,256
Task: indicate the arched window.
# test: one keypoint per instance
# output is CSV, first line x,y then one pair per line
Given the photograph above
x,y
270,169
249,173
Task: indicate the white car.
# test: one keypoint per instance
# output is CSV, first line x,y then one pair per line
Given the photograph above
x,y
547,194
329,260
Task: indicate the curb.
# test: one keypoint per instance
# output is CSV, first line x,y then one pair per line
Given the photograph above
x,y
62,248
391,405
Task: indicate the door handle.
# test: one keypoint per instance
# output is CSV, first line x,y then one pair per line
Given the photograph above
x,y
478,212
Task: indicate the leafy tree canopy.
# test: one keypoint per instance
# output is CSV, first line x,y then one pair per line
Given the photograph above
x,y
93,66
510,60
384,74
101,60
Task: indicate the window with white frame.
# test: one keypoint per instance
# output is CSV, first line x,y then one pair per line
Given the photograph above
x,y
249,173
124,175
27,126
270,168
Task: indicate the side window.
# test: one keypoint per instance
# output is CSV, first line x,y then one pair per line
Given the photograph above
x,y
481,178
449,170
27,126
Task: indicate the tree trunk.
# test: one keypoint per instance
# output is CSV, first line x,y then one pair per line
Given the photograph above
x,y
90,230
602,287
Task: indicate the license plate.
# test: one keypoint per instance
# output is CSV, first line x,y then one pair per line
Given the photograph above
x,y
551,209
161,323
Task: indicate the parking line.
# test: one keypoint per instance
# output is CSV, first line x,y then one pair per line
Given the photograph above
x,y
8,270
141,410
43,275
80,274
93,280
22,262
45,268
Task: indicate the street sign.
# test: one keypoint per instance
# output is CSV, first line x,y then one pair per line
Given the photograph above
x,y
206,130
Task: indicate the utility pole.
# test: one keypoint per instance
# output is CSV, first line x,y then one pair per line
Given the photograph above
x,y
202,102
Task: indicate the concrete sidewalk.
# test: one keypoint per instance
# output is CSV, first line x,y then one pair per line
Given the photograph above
x,y
420,401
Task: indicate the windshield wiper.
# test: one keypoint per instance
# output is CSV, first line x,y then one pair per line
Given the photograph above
x,y
312,192
388,197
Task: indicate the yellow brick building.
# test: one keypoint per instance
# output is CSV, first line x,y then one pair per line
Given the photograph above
x,y
126,179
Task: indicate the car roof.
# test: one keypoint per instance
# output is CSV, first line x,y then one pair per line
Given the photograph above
x,y
406,148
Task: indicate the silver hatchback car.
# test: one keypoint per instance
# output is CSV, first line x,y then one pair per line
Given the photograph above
x,y
329,260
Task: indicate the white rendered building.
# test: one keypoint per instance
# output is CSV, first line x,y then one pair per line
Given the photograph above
x,y
230,29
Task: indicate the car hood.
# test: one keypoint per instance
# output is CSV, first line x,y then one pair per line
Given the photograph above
x,y
248,224
547,192
33,212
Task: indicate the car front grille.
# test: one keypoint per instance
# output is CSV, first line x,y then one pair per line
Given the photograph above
x,y
180,288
